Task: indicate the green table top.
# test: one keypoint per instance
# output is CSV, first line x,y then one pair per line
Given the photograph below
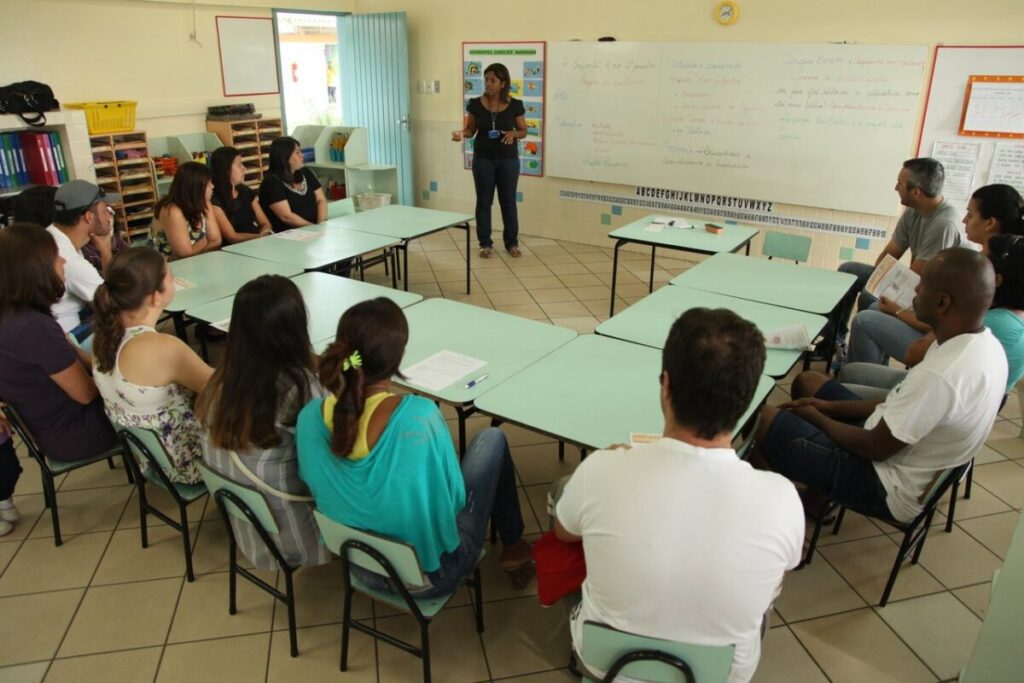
x,y
218,274
326,296
772,282
396,220
593,391
329,246
997,652
648,321
506,342
695,239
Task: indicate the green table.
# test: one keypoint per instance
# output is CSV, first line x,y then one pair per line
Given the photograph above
x,y
507,343
215,275
406,223
696,240
997,651
326,296
781,284
326,248
593,392
648,321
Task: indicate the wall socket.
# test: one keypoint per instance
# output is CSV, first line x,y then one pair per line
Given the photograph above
x,y
429,87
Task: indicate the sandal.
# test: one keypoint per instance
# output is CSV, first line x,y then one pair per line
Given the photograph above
x,y
514,252
485,252
521,574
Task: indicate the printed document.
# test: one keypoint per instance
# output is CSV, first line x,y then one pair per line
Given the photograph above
x,y
441,370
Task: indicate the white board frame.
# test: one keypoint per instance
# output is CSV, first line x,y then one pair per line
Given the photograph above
x,y
248,56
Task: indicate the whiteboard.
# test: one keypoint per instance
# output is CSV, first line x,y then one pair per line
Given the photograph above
x,y
248,56
952,68
814,125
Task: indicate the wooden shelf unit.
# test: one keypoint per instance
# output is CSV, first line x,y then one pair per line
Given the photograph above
x,y
131,177
251,137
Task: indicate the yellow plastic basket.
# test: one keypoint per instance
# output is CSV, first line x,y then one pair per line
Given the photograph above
x,y
107,117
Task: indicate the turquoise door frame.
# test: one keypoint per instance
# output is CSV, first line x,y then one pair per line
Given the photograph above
x,y
374,68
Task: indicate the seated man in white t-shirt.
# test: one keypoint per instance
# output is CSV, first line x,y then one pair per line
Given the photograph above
x,y
81,216
683,540
881,457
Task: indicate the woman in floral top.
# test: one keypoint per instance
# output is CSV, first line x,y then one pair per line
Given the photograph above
x,y
185,224
136,390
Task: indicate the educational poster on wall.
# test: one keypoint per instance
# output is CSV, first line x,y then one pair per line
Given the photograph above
x,y
525,63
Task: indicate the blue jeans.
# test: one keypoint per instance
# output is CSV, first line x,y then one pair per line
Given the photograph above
x,y
490,483
870,381
876,336
502,174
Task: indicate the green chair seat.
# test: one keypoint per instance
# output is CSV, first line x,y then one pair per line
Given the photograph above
x,y
187,491
607,649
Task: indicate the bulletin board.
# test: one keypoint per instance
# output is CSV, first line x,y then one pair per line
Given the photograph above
x,y
248,56
525,62
995,159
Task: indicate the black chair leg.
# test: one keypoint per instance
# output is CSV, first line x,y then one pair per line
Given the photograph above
x,y
289,592
186,539
346,623
813,544
50,491
143,531
894,572
839,521
232,576
561,451
110,463
478,591
952,507
425,647
970,480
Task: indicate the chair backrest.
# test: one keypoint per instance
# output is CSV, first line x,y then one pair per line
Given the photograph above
x,y
399,554
249,497
21,429
603,646
793,247
146,447
341,207
942,482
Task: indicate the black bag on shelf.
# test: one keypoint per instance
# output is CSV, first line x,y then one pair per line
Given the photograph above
x,y
28,99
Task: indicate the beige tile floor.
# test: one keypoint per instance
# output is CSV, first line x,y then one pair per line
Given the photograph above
x,y
101,608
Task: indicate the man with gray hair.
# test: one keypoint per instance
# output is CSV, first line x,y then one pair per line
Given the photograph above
x,y
928,225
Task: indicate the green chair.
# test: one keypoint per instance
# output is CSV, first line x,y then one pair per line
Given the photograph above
x,y
341,207
914,534
651,659
149,458
398,561
793,247
48,469
248,506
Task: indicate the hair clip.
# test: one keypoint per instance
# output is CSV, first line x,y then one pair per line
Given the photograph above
x,y
353,361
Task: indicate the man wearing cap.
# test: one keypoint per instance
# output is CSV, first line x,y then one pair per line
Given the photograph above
x,y
81,216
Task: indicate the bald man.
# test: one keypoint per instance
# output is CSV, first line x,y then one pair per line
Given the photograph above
x,y
880,457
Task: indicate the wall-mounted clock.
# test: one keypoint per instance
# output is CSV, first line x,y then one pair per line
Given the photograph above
x,y
727,12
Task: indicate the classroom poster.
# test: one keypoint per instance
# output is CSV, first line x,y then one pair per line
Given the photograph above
x,y
525,62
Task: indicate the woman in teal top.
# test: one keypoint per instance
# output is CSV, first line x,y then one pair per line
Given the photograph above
x,y
386,463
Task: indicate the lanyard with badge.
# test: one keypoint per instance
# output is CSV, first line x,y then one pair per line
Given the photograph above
x,y
494,133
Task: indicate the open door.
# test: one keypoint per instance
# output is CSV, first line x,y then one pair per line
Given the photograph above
x,y
374,66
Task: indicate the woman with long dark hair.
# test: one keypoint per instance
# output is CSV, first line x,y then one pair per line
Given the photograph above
x,y
42,375
147,378
184,224
994,210
385,463
238,212
248,412
498,122
291,194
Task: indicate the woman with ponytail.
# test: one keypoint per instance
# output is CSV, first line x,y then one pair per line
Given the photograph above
x,y
248,411
386,463
147,379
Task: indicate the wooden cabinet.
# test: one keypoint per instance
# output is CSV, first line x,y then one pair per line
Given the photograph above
x,y
251,137
122,165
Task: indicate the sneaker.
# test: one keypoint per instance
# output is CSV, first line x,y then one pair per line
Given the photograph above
x,y
514,252
485,252
8,512
5,527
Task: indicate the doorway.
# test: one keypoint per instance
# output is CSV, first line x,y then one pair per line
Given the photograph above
x,y
310,79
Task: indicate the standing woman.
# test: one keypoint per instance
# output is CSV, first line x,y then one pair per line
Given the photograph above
x,y
185,224
147,378
238,212
498,121
291,195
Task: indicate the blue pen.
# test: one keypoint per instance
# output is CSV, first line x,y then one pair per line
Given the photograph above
x,y
472,383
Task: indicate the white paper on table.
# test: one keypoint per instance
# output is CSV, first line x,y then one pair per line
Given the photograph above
x,y
894,281
181,283
222,325
789,337
960,161
669,221
637,438
655,227
1008,165
297,235
441,370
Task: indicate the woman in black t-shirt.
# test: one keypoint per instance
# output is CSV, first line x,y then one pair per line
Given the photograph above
x,y
291,195
234,203
498,121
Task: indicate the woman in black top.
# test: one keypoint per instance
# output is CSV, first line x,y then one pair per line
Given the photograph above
x,y
234,203
498,121
290,194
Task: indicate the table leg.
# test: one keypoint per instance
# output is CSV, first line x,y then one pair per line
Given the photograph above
x,y
615,274
466,226
748,248
650,283
463,413
394,268
561,451
179,326
201,333
405,265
